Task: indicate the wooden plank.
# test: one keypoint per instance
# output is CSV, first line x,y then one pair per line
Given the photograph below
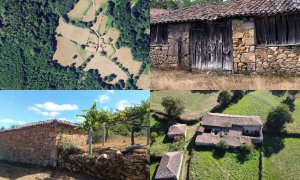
x,y
297,22
291,29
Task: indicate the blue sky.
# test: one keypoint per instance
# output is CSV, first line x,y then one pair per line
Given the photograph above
x,y
22,107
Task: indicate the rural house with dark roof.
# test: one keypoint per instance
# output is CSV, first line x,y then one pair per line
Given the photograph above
x,y
234,129
37,143
238,36
177,131
170,166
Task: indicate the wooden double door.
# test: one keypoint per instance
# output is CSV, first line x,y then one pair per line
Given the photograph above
x,y
211,46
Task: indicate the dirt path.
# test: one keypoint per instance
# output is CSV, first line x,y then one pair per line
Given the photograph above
x,y
185,80
27,172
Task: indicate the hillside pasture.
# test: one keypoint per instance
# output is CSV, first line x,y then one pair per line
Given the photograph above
x,y
208,163
79,10
282,158
260,103
67,53
105,67
143,82
196,103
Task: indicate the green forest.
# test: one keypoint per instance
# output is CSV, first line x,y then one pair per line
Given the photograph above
x,y
27,44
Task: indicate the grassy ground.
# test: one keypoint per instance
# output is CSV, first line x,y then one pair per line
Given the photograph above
x,y
260,103
195,102
153,167
210,164
27,172
282,158
185,80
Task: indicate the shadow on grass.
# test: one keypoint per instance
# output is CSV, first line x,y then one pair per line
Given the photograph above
x,y
203,91
272,144
278,93
290,104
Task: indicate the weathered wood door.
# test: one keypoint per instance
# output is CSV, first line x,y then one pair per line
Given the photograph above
x,y
211,46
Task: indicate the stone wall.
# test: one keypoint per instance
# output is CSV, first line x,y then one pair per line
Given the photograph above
x,y
111,164
37,144
254,59
176,54
34,145
248,58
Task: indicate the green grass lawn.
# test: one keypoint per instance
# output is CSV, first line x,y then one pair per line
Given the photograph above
x,y
260,103
282,158
153,167
209,164
195,102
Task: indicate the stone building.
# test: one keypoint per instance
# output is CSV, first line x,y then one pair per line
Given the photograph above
x,y
37,143
238,36
177,131
169,166
234,129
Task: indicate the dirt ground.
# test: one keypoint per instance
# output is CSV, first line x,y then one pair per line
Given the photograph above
x,y
184,80
27,172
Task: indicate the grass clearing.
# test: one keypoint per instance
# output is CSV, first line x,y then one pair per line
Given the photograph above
x,y
79,9
260,103
196,103
207,163
143,82
175,79
282,158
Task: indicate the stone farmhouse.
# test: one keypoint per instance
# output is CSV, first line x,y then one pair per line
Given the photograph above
x,y
236,36
37,143
235,130
170,166
177,131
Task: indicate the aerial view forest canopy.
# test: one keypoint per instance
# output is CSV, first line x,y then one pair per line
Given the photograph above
x,y
28,43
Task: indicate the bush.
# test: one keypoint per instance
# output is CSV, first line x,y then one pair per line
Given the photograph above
x,y
224,98
278,117
246,148
177,146
223,145
66,148
153,135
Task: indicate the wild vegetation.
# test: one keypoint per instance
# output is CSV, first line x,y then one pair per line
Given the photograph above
x,y
28,43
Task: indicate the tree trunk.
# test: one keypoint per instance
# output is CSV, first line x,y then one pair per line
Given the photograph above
x,y
132,136
90,139
106,134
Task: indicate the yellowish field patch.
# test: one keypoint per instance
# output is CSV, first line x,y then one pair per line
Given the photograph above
x,y
77,34
109,49
143,82
90,15
125,58
100,25
66,51
78,11
105,67
113,34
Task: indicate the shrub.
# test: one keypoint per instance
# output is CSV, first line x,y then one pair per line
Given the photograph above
x,y
177,146
224,98
153,135
223,145
66,148
278,117
173,107
246,148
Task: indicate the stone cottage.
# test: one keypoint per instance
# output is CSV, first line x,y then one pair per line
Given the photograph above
x,y
169,166
234,129
177,131
37,143
238,36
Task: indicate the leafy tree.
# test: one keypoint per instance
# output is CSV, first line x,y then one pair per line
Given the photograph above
x,y
93,118
278,117
2,128
292,94
173,107
224,98
222,145
153,135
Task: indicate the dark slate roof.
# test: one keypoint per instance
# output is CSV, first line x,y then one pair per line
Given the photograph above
x,y
42,123
224,120
170,165
177,129
230,8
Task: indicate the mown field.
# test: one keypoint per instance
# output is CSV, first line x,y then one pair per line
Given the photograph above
x,y
210,164
260,103
281,158
196,103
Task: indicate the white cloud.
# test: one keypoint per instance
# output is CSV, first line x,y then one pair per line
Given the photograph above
x,y
102,98
11,121
51,109
80,119
122,105
111,91
50,106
